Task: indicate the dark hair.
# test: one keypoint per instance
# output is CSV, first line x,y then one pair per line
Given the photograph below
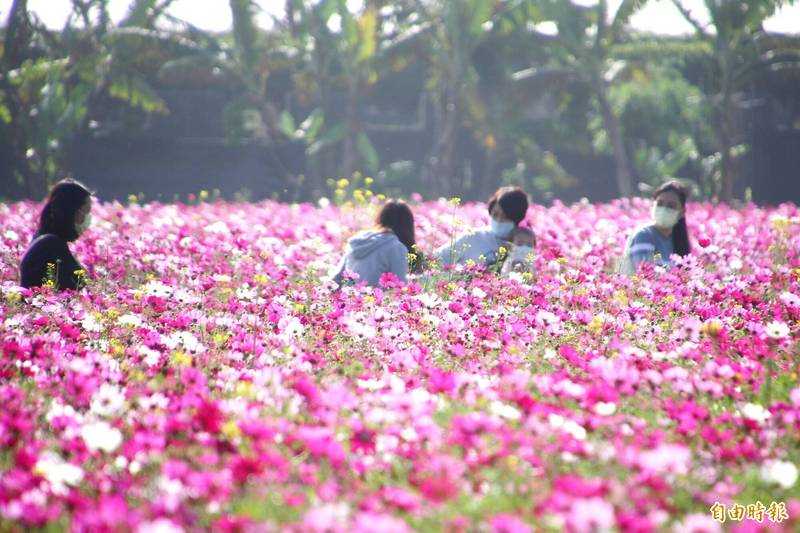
x,y
680,234
396,216
58,214
513,200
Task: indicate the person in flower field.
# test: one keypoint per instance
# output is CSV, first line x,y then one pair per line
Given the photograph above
x,y
666,234
507,209
387,248
64,217
523,241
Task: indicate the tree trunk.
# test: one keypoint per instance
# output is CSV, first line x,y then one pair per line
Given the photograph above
x,y
614,130
14,46
726,133
349,155
440,163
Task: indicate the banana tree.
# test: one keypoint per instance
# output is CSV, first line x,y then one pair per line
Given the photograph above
x,y
739,56
343,53
50,95
582,53
458,28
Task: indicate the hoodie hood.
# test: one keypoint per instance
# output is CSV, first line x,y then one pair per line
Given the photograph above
x,y
366,243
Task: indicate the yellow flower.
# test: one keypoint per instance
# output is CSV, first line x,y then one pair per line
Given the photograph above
x,y
621,298
231,430
245,389
343,183
780,221
203,195
712,328
490,142
368,181
132,199
455,201
13,297
182,359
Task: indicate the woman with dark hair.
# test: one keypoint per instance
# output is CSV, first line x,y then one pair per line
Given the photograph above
x,y
65,216
666,234
384,249
507,208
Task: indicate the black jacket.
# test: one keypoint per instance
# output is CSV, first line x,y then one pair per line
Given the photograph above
x,y
44,249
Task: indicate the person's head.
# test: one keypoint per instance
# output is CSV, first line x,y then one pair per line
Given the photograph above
x,y
523,237
507,208
396,216
669,212
67,210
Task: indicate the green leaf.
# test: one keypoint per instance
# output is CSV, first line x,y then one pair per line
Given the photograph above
x,y
137,93
138,13
312,125
349,27
5,114
287,125
332,136
367,31
326,8
480,11
367,152
626,10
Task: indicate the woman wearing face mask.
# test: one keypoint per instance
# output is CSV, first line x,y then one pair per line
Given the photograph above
x,y
65,216
666,234
507,208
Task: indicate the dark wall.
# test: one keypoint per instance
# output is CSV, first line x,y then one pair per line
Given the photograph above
x,y
161,169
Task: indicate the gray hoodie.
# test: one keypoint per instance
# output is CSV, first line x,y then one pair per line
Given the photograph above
x,y
371,254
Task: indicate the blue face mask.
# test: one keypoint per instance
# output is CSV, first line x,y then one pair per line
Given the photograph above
x,y
501,229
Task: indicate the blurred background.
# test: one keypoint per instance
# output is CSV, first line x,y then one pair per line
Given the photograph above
x,y
280,99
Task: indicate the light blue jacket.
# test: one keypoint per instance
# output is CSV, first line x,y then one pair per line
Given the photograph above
x,y
481,246
648,244
371,254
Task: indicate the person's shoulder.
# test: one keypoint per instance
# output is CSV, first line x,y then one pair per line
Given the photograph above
x,y
48,241
643,233
397,245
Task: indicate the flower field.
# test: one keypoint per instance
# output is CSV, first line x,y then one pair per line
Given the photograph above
x,y
210,379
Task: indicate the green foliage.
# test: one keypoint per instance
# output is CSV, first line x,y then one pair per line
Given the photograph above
x,y
368,153
492,76
139,94
665,120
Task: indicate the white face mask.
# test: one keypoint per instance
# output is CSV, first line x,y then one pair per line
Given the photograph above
x,y
83,226
501,229
664,217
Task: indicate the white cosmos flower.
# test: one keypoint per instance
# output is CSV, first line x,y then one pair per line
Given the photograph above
x,y
605,408
157,288
781,473
777,330
569,426
755,412
129,319
504,410
58,472
90,323
108,400
101,436
160,525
